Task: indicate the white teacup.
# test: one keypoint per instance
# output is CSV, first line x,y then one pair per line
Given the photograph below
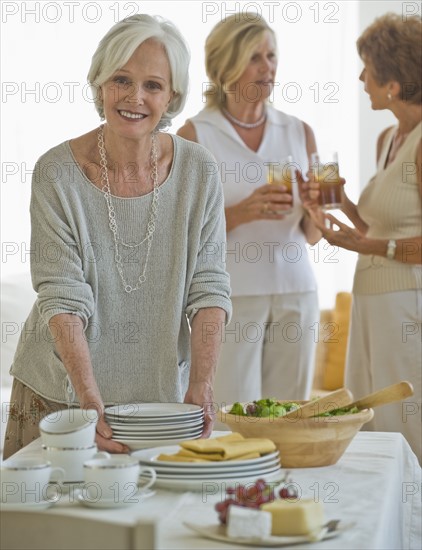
x,y
26,480
71,459
69,428
114,479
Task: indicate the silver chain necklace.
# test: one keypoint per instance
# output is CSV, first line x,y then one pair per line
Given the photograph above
x,y
246,125
112,213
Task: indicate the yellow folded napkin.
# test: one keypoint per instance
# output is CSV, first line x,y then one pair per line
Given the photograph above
x,y
177,458
210,444
214,457
230,447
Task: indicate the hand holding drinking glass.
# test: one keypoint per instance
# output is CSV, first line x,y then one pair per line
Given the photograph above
x,y
282,174
330,186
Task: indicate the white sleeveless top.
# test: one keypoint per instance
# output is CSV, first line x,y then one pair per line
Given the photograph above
x,y
264,256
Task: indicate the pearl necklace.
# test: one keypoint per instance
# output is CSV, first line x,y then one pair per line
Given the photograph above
x,y
246,125
112,213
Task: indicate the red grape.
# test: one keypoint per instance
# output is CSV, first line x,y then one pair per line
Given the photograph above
x,y
253,496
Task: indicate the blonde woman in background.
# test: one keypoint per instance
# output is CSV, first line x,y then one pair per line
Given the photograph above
x,y
268,349
385,343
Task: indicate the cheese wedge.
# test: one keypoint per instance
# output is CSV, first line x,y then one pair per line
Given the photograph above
x,y
248,523
292,517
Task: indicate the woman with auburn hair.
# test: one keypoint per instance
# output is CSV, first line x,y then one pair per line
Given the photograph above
x,y
385,335
120,316
268,349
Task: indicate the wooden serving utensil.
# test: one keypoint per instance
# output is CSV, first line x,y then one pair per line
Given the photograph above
x,y
389,394
333,400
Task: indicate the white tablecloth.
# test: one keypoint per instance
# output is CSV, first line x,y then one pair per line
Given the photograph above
x,y
377,484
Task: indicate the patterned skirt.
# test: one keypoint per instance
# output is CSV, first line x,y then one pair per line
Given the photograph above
x,y
23,414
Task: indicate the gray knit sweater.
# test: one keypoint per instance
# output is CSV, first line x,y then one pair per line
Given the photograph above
x,y
139,342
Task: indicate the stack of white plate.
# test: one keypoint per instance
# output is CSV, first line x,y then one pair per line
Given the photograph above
x,y
198,476
143,425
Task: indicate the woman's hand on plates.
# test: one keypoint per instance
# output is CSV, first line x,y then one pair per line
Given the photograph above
x,y
91,399
104,441
201,393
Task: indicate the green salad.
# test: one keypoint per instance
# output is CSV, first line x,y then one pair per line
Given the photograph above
x,y
263,408
340,412
270,407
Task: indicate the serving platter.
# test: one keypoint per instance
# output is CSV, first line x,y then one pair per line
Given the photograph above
x,y
204,484
19,506
154,421
157,427
225,468
136,444
149,457
112,503
150,437
218,532
153,410
221,475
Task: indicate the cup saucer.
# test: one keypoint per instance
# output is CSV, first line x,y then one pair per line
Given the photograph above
x,y
39,505
111,503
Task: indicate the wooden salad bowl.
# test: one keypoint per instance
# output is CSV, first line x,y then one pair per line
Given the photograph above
x,y
302,442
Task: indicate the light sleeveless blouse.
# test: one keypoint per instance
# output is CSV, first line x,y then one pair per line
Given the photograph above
x,y
391,206
264,256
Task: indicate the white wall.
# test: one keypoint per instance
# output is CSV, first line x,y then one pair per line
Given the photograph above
x,y
371,123
46,52
46,47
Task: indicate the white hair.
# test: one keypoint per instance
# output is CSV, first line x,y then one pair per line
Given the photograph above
x,y
119,44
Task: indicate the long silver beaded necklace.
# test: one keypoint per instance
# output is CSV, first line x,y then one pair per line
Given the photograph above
x,y
246,125
112,213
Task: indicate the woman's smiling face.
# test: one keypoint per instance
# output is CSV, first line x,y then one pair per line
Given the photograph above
x,y
137,95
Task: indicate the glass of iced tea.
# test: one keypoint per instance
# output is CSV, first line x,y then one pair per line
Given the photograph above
x,y
326,173
282,173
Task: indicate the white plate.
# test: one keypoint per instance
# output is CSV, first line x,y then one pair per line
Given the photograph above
x,y
152,422
231,476
224,469
167,435
138,444
158,441
229,465
181,437
160,435
153,410
218,532
234,472
157,427
158,438
149,457
203,484
66,487
12,506
111,503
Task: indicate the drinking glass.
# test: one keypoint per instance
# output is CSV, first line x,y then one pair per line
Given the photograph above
x,y
326,173
282,173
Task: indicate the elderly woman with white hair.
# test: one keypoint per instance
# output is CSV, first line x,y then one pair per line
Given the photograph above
x,y
130,308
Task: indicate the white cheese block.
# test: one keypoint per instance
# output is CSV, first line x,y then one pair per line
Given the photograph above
x,y
248,523
292,517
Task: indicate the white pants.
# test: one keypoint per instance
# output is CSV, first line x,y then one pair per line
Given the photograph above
x,y
268,348
385,347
